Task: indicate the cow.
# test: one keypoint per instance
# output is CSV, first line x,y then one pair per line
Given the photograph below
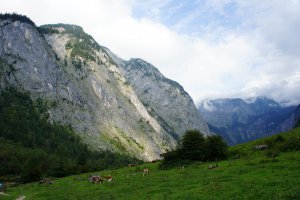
x,y
109,178
95,179
48,181
212,166
261,147
145,171
131,165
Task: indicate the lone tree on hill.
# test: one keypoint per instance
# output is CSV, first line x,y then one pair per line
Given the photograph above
x,y
192,146
216,148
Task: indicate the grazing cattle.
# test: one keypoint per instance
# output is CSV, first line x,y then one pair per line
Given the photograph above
x,y
261,147
212,166
145,171
109,178
95,179
131,165
46,181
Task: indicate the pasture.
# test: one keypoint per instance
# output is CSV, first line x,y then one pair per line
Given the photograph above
x,y
256,178
253,175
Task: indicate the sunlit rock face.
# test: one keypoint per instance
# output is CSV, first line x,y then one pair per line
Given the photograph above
x,y
87,87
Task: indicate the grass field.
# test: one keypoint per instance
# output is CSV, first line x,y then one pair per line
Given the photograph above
x,y
253,176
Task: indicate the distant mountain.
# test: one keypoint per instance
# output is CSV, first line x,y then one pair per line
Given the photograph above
x,y
113,104
239,120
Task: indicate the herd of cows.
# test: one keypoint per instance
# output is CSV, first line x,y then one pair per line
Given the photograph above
x,y
96,179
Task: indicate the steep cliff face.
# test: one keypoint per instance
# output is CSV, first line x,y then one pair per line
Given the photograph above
x,y
85,87
165,99
240,120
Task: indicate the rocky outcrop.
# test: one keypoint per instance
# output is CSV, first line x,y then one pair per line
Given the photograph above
x,y
85,86
165,99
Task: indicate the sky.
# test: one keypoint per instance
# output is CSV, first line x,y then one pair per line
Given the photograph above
x,y
213,48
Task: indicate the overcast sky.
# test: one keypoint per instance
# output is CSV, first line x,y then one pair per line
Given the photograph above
x,y
213,48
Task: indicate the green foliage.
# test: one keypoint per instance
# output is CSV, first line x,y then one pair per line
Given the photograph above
x,y
216,148
45,30
195,147
32,147
192,146
16,17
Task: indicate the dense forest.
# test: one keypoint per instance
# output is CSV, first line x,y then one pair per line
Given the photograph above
x,y
32,147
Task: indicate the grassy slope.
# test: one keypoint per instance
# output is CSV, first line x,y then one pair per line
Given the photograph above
x,y
254,176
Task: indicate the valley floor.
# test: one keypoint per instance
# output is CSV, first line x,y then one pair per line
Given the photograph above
x,y
256,178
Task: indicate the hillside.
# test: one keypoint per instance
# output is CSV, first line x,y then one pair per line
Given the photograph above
x,y
242,120
31,146
248,174
86,87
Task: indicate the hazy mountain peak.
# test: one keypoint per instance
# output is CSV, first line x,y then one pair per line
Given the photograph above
x,y
239,120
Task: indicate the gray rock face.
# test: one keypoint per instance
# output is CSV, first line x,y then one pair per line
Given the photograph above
x,y
85,87
165,99
240,120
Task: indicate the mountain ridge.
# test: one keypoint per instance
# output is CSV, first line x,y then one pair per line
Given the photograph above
x,y
86,87
239,120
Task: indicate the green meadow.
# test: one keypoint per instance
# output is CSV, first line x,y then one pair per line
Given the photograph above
x,y
248,174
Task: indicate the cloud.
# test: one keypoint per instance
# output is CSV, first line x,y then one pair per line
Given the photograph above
x,y
216,48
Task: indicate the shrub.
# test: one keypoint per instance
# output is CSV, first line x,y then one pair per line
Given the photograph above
x,y
216,148
193,146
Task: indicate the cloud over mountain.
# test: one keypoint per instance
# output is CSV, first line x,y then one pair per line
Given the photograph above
x,y
224,48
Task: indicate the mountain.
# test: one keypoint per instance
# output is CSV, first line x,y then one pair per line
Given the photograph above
x,y
239,120
89,88
164,99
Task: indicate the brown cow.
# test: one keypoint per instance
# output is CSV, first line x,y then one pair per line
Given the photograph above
x,y
95,179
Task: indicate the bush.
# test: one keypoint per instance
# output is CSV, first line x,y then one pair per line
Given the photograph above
x,y
216,148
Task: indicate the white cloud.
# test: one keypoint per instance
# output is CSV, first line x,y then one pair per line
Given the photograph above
x,y
256,56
